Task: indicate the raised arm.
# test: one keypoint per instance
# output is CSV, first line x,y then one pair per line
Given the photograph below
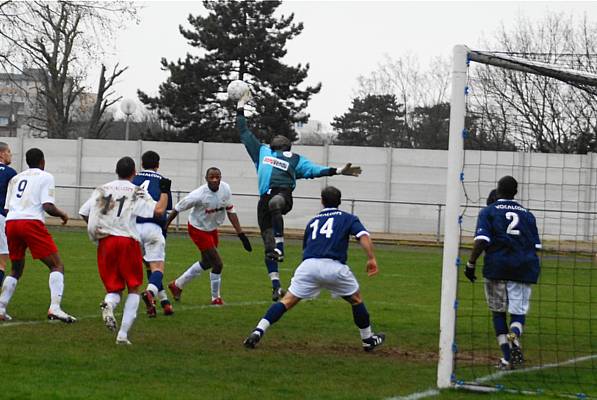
x,y
247,137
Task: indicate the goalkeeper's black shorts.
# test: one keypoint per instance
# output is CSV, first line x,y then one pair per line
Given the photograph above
x,y
264,215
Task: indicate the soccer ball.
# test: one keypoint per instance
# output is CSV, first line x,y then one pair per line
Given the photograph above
x,y
237,89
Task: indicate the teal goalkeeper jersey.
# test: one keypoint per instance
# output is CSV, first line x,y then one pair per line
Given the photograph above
x,y
277,169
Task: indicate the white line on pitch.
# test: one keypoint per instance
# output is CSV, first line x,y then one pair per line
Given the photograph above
x,y
490,377
179,307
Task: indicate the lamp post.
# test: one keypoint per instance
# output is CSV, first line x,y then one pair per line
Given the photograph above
x,y
127,106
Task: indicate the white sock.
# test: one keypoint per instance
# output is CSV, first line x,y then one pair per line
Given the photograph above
x,y
113,299
216,282
153,289
366,332
130,313
162,295
56,283
263,325
191,273
274,276
8,289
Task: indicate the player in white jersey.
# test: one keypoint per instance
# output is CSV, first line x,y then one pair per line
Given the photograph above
x,y
210,203
111,214
30,194
6,174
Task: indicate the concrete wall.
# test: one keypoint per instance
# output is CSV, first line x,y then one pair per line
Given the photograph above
x,y
547,181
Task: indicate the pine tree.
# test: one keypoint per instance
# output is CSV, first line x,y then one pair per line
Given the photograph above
x,y
374,120
238,40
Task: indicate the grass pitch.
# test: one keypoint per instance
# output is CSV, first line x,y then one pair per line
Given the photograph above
x,y
314,352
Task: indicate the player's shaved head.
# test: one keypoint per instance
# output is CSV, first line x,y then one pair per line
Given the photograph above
x,y
150,160
34,158
507,187
331,197
281,143
125,168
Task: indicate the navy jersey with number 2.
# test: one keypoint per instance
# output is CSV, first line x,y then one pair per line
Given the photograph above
x,y
511,231
327,234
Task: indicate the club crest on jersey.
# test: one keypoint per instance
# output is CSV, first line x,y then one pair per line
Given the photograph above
x,y
287,154
276,163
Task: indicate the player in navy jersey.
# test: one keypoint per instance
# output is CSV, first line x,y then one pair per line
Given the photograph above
x,y
507,233
277,171
152,232
6,174
325,247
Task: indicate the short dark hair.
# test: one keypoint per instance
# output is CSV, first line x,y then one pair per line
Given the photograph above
x,y
212,169
492,197
34,157
331,197
150,160
507,187
125,167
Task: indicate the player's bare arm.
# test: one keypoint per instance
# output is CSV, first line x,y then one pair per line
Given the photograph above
x,y
367,245
54,211
239,231
173,214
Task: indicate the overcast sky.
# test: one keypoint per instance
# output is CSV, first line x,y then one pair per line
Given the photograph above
x,y
341,39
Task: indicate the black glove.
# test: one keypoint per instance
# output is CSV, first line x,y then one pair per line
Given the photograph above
x,y
469,272
165,184
246,244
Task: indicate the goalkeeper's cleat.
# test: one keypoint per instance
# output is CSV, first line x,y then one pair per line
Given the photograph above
x,y
175,290
516,357
252,340
277,294
503,365
217,302
167,308
373,341
123,341
149,301
58,314
108,316
276,255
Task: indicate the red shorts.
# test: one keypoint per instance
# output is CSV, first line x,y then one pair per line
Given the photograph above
x,y
120,263
202,239
28,233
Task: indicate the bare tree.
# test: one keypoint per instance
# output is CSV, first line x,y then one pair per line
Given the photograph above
x,y
54,44
537,112
104,99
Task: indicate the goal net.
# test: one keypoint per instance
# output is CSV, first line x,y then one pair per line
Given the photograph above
x,y
533,117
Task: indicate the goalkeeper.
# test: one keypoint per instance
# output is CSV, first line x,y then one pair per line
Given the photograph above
x,y
507,233
277,171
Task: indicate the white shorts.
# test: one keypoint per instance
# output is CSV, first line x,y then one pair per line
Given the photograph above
x,y
3,241
503,296
153,243
314,274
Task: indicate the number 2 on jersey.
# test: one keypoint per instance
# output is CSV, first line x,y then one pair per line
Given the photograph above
x,y
510,230
326,229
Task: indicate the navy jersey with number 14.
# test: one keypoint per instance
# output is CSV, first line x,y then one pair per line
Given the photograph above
x,y
327,234
150,181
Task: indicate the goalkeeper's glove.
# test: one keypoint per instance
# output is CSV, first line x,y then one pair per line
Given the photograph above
x,y
469,272
165,185
244,100
349,170
245,240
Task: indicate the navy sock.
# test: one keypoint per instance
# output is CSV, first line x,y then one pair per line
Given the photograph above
x,y
275,312
1,277
271,265
280,246
520,318
505,351
156,279
499,323
360,316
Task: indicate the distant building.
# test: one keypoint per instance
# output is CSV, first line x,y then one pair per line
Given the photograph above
x,y
313,133
19,104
